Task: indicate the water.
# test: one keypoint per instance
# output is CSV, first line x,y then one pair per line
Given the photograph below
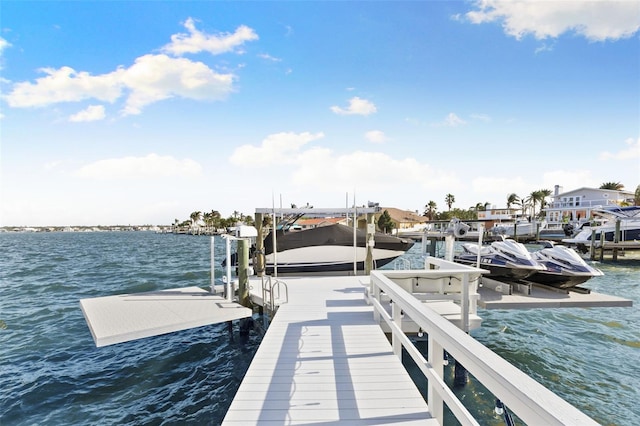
x,y
588,356
52,373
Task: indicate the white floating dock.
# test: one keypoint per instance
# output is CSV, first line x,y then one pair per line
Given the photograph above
x,y
324,360
542,298
124,317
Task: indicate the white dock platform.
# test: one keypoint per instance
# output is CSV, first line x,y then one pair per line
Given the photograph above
x,y
124,317
324,360
542,298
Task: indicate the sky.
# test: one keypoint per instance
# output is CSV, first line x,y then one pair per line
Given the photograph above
x,y
142,112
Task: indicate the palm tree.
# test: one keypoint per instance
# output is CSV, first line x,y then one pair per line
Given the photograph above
x,y
615,186
430,209
637,196
537,197
513,199
195,217
544,193
449,199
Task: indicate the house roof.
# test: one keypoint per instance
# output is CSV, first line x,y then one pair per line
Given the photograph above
x,y
584,188
404,216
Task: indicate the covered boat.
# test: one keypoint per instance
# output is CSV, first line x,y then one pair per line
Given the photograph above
x,y
329,249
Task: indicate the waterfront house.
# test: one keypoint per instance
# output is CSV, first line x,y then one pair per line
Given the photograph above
x,y
405,220
575,206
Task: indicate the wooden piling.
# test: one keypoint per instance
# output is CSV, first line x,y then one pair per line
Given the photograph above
x,y
616,240
243,273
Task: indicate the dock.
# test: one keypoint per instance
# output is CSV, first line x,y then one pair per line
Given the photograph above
x,y
334,349
124,317
333,352
324,359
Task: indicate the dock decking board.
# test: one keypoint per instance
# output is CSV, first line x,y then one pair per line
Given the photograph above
x,y
124,317
324,360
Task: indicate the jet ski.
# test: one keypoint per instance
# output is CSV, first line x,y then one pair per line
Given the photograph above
x,y
506,260
564,268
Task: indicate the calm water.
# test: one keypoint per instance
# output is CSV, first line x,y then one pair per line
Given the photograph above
x,y
52,373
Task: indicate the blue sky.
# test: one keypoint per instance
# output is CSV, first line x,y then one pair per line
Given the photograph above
x,y
143,112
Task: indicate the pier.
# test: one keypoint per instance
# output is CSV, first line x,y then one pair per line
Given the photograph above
x,y
333,351
324,359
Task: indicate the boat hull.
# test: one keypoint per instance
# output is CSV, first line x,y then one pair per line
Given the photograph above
x,y
559,280
497,271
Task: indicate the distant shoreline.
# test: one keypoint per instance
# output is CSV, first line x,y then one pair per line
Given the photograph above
x,y
97,228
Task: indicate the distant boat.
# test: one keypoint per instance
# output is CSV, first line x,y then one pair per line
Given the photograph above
x,y
629,218
520,227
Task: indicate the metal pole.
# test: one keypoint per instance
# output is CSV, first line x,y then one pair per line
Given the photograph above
x,y
260,257
229,284
480,232
213,269
275,246
355,241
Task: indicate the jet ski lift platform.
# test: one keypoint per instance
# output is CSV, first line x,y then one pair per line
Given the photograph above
x,y
502,295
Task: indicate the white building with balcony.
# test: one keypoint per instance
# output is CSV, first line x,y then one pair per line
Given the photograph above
x,y
575,206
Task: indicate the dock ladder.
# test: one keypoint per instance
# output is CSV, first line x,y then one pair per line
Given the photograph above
x,y
272,294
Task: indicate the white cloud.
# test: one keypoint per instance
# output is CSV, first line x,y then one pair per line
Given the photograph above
x,y
568,179
150,79
322,170
631,152
149,167
156,77
92,113
3,45
279,148
595,20
481,117
376,136
357,106
196,41
65,85
269,57
312,168
451,120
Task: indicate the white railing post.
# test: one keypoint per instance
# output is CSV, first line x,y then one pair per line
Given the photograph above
x,y
464,308
396,315
213,267
375,294
229,282
434,399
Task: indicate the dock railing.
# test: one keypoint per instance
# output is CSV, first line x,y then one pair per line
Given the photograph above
x,y
528,399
